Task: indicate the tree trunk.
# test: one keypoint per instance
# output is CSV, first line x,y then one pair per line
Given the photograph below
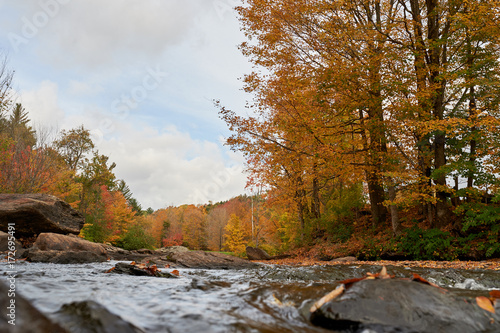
x,y
396,224
377,198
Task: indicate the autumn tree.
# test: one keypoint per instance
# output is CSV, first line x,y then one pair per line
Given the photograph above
x,y
235,235
217,219
383,89
194,230
74,145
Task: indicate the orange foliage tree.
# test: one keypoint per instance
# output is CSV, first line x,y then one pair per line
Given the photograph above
x,y
398,94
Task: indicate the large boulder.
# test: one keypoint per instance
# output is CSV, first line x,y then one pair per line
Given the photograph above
x,y
19,316
57,242
33,214
254,253
65,249
398,305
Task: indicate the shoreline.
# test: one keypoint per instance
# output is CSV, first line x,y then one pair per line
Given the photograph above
x,y
492,264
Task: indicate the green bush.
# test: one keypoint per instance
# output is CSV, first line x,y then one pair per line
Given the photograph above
x,y
136,238
431,244
483,220
340,232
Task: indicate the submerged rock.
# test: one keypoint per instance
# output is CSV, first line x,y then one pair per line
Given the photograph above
x,y
92,317
33,214
19,316
382,305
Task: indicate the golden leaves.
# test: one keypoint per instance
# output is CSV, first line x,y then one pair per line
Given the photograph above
x,y
488,303
485,303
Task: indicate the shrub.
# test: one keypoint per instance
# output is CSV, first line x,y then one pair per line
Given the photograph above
x,y
431,244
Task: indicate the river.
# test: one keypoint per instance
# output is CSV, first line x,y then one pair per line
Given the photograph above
x,y
266,299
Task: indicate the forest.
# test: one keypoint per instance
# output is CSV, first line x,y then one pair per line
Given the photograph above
x,y
372,131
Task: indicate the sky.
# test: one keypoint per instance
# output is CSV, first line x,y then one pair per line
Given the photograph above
x,y
142,76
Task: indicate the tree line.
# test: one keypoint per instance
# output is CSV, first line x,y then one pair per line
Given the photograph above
x,y
400,97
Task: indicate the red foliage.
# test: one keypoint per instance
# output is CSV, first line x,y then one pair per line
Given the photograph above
x,y
175,239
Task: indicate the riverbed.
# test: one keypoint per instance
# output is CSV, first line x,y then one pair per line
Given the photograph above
x,y
270,298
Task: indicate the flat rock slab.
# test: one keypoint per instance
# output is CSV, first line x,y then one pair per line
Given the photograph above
x,y
403,306
209,260
33,214
63,257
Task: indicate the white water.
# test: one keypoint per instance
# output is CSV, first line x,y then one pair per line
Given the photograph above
x,y
256,300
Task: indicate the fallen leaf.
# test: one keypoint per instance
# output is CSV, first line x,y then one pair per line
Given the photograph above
x,y
348,283
167,266
153,269
327,298
276,301
175,272
495,294
110,270
133,263
485,303
420,279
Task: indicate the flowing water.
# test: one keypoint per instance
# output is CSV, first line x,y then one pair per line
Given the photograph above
x,y
266,299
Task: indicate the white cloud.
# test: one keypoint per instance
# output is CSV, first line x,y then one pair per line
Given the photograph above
x,y
169,167
42,104
97,33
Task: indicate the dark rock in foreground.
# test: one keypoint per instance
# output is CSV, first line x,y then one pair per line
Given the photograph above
x,y
24,315
62,249
33,214
382,305
89,317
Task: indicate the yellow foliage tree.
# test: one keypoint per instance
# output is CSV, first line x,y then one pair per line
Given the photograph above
x,y
235,235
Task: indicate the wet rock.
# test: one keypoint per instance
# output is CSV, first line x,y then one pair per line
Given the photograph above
x,y
92,317
63,257
128,269
381,305
208,260
24,315
208,285
65,249
37,213
254,253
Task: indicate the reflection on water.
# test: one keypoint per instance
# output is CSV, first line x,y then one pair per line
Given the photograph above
x,y
267,299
